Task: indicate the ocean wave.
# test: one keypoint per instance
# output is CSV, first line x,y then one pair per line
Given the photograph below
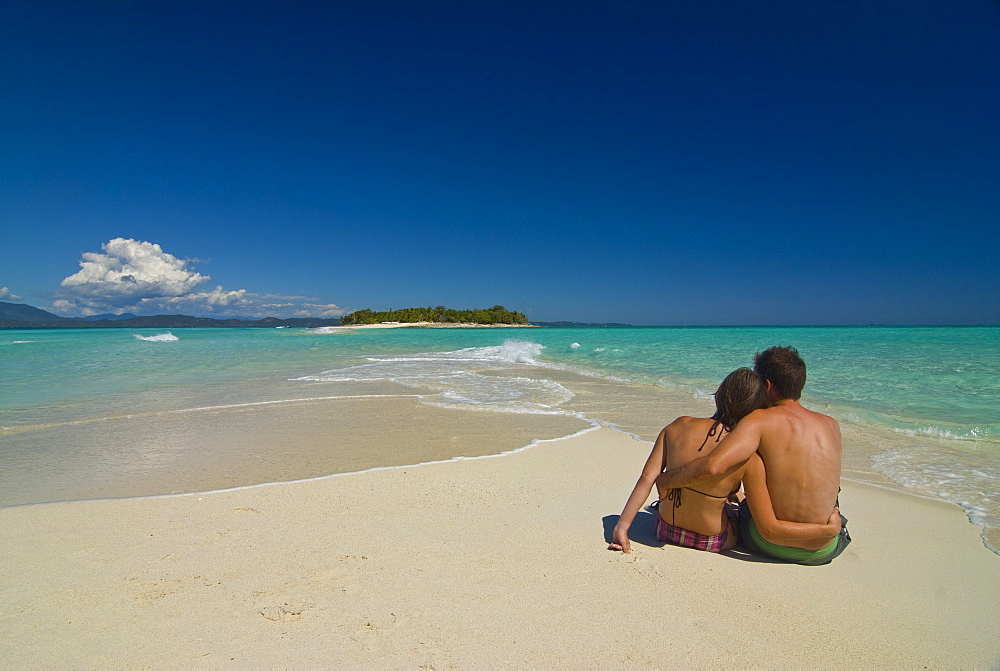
x,y
512,351
965,477
160,337
464,379
966,433
912,426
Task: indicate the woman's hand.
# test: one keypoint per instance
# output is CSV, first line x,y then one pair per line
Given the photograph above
x,y
619,540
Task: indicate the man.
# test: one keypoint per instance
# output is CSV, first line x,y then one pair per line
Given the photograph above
x,y
800,452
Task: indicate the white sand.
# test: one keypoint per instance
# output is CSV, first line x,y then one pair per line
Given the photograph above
x,y
497,562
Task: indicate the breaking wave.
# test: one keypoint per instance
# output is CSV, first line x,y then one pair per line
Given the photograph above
x,y
159,337
948,472
475,378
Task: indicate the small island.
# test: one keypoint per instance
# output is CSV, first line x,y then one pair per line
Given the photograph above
x,y
497,315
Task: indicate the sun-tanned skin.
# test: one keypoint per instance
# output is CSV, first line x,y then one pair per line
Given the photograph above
x,y
800,450
681,441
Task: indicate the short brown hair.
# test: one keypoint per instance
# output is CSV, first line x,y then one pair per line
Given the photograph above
x,y
784,368
740,393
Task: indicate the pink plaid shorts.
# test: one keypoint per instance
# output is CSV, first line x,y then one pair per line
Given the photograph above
x,y
668,533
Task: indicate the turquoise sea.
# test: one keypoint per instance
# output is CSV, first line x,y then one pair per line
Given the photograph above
x,y
919,405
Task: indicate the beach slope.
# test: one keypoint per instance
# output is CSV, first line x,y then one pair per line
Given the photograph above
x,y
476,563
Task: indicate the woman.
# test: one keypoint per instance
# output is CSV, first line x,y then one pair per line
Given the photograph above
x,y
701,518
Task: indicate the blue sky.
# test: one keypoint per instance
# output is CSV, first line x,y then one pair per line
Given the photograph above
x,y
641,162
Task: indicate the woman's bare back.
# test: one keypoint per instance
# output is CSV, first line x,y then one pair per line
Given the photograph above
x,y
701,510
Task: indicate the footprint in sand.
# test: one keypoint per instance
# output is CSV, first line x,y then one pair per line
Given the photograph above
x,y
282,613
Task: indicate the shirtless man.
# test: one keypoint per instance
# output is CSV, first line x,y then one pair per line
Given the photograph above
x,y
798,450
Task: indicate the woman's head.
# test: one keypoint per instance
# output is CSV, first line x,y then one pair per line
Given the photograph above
x,y
740,393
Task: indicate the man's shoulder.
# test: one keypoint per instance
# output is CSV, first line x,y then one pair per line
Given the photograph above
x,y
782,418
761,415
793,426
791,409
818,416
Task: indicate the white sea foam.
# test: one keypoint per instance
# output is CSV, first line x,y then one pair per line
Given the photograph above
x,y
575,345
970,433
159,337
962,476
915,426
465,379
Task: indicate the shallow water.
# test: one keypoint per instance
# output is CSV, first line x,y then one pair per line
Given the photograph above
x,y
918,404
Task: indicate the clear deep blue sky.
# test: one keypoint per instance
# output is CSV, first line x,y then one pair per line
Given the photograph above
x,y
653,162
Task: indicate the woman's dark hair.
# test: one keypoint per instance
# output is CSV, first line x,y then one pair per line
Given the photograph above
x,y
740,393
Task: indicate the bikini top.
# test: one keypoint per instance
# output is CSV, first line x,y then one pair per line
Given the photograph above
x,y
674,495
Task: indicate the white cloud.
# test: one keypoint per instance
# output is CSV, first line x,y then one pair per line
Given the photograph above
x,y
6,293
241,303
139,277
314,310
211,299
129,270
63,305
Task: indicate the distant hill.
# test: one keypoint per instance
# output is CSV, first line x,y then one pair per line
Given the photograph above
x,y
25,313
109,317
18,316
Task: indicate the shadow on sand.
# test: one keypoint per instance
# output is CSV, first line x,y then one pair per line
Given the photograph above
x,y
643,532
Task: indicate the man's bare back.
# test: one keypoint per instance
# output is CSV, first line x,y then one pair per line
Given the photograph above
x,y
801,450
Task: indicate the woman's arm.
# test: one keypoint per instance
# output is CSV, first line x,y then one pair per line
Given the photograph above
x,y
653,467
790,534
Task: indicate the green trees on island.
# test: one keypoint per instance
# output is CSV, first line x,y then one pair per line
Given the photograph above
x,y
497,314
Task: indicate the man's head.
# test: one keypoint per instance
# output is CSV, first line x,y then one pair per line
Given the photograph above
x,y
783,368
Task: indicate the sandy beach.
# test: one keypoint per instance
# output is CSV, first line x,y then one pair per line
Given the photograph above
x,y
489,562
337,335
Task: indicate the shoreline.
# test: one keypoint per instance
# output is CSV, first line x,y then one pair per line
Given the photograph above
x,y
535,442
211,457
478,566
328,431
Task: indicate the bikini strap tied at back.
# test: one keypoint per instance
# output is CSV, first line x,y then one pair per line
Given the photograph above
x,y
713,431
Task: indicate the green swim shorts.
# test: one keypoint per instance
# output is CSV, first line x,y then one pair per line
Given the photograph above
x,y
751,539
